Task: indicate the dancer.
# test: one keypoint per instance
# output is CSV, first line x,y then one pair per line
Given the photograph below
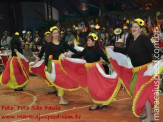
x,y
38,70
139,48
55,48
16,73
101,87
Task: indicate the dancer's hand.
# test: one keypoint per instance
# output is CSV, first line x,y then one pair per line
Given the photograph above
x,y
67,55
45,69
32,64
112,47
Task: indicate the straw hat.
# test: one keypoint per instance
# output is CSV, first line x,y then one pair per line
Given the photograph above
x,y
104,28
92,26
26,43
24,31
62,31
76,28
68,29
117,31
120,40
125,27
153,40
28,32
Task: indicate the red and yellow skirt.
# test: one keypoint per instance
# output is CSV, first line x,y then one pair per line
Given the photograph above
x,y
16,73
138,81
91,76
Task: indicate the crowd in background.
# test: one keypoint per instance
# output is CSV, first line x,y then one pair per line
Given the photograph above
x,y
31,45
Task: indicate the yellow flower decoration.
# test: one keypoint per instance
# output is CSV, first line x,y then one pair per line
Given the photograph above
x,y
16,33
47,33
95,37
52,28
139,21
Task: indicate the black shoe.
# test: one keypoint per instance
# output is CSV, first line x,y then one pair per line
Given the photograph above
x,y
53,92
18,89
90,109
103,107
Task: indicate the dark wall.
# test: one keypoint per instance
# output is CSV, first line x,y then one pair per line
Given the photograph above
x,y
17,16
4,17
33,14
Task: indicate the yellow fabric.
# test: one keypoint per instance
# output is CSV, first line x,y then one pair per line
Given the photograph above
x,y
136,69
76,42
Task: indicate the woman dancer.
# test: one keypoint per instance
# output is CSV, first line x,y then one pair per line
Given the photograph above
x,y
16,73
139,48
92,54
37,70
55,48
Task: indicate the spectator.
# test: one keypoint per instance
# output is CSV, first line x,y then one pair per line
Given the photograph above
x,y
28,53
5,41
124,35
70,38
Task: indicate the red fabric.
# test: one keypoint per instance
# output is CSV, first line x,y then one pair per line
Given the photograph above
x,y
64,80
161,45
5,59
124,73
100,87
6,73
18,73
40,72
77,71
146,93
25,67
101,44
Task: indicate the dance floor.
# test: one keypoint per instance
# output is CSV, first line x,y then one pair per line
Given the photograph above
x,y
34,104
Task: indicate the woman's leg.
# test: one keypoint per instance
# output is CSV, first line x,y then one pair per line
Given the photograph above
x,y
62,100
148,107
